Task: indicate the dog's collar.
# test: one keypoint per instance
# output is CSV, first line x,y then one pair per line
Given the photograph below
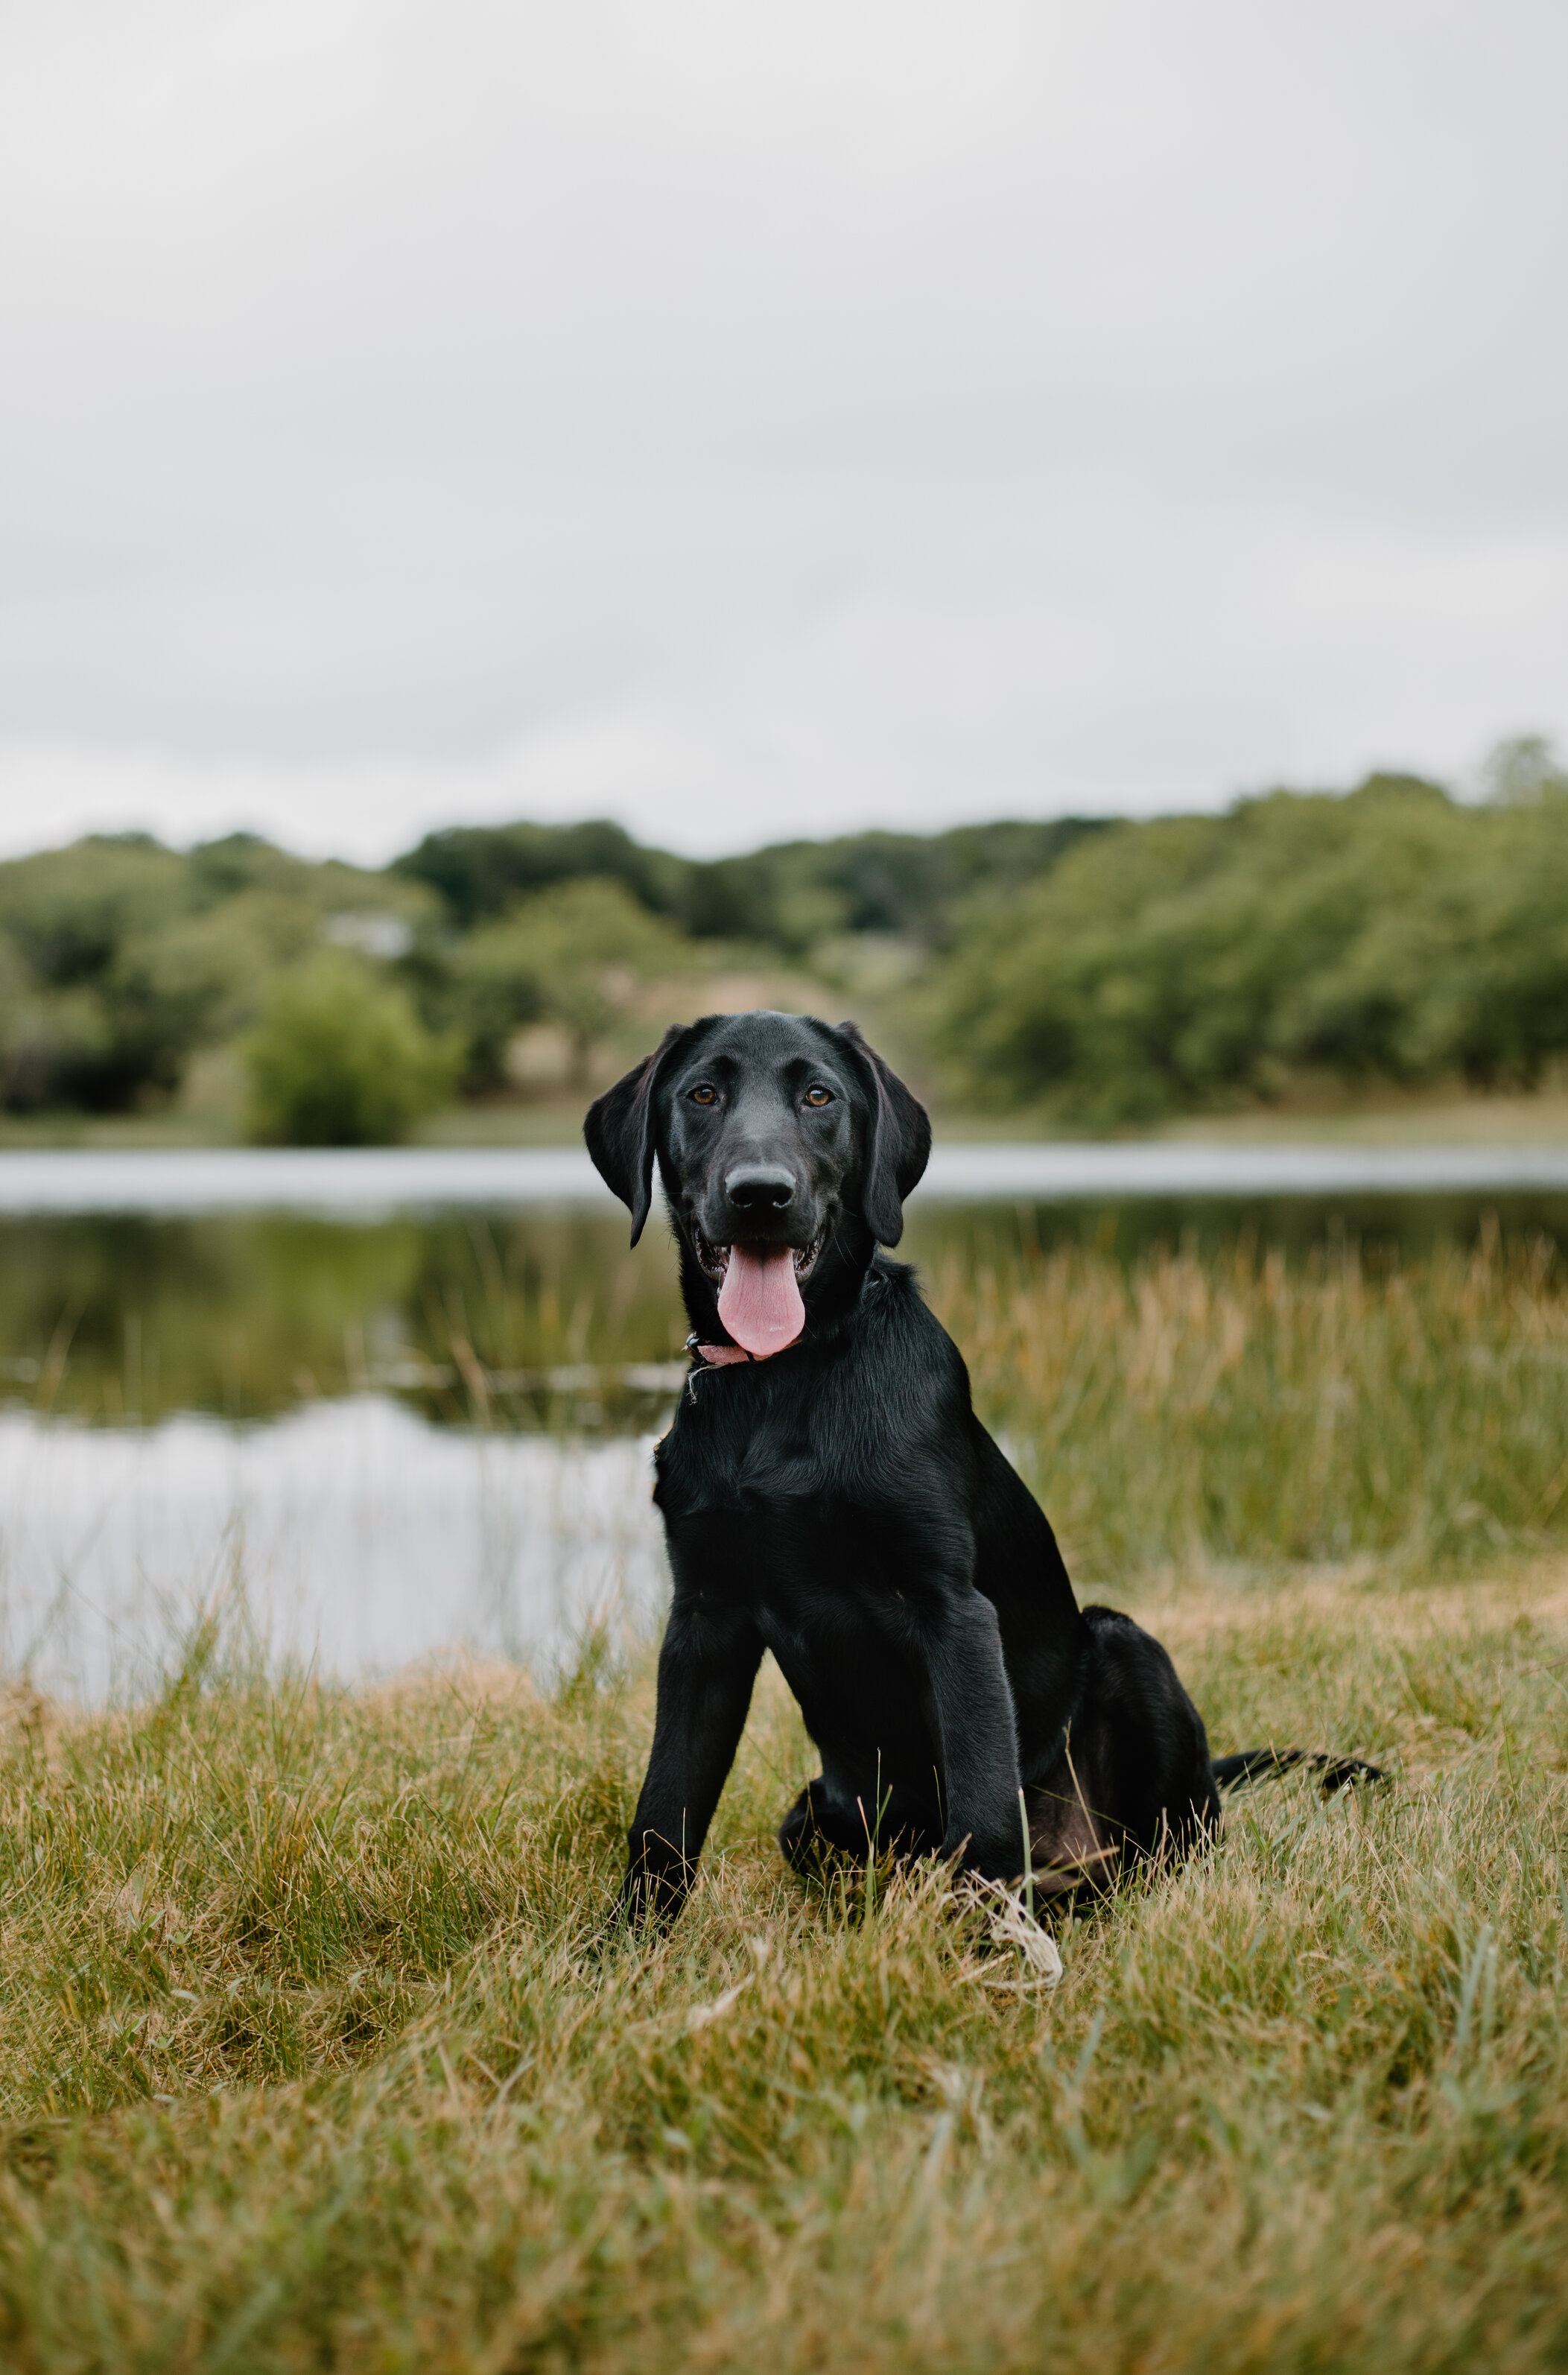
x,y
724,1356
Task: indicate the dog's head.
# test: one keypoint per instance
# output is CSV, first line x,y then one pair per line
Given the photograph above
x,y
786,1148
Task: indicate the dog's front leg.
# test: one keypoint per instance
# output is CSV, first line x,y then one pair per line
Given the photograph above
x,y
972,1705
707,1666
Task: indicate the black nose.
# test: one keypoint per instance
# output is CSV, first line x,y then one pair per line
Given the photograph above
x,y
759,1188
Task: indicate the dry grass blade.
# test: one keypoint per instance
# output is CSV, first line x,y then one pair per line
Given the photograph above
x,y
1012,1928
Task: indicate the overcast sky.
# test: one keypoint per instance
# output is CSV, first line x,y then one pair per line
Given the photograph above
x,y
753,421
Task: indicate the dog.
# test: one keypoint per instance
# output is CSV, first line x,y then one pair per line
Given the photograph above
x,y
828,1494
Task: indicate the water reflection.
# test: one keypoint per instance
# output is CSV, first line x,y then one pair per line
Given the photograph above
x,y
473,1319
352,1535
515,1321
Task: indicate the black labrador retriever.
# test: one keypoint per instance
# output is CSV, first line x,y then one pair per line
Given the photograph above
x,y
828,1494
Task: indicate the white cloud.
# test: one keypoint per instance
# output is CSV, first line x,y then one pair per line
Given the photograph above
x,y
750,423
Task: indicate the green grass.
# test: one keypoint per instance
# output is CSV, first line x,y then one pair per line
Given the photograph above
x,y
314,2050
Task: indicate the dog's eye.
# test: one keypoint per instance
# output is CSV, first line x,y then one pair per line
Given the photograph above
x,y
818,1096
705,1094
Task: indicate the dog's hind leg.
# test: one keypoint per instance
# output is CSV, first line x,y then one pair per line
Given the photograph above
x,y
832,1816
1069,1847
816,1821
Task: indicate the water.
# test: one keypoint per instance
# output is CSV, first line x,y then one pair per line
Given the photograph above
x,y
372,1182
353,1537
377,1406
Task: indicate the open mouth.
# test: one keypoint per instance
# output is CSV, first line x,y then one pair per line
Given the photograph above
x,y
715,1258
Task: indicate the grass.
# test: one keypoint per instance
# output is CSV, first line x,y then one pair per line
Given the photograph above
x,y
1177,1408
315,2051
1448,1114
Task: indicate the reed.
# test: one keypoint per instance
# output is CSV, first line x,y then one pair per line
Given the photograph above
x,y
1246,1409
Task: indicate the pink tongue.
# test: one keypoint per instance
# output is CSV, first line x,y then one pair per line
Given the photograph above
x,y
760,1302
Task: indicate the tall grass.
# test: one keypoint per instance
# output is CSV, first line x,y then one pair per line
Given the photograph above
x,y
316,2050
1258,1411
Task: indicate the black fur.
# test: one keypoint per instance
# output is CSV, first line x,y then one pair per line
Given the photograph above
x,y
841,1505
1262,1764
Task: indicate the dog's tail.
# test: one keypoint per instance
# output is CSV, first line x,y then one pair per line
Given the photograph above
x,y
1262,1764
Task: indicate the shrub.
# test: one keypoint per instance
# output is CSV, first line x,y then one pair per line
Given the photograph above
x,y
339,1058
104,993
1202,960
575,955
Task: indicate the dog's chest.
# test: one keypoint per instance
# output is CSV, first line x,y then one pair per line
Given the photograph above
x,y
734,1447
811,1574
758,1515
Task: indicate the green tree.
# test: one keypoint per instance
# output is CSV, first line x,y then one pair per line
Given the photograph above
x,y
339,1057
97,1010
119,957
576,956
1198,961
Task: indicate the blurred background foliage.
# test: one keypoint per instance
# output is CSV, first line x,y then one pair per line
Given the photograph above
x,y
339,1058
1083,974
1196,961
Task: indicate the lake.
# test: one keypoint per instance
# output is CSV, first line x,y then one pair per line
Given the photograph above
x,y
375,1406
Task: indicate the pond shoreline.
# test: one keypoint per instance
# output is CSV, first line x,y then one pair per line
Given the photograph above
x,y
371,1182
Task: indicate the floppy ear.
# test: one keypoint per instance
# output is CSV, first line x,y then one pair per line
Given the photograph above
x,y
619,1127
898,1141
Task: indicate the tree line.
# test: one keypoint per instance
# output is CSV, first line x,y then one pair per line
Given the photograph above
x,y
1100,974
1194,962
